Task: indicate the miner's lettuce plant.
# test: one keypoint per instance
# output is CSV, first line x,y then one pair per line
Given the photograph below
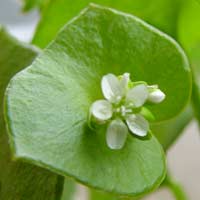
x,y
100,104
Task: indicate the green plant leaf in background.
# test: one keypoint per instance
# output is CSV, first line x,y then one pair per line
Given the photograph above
x,y
52,98
30,4
189,17
190,39
20,181
97,195
162,14
69,189
168,132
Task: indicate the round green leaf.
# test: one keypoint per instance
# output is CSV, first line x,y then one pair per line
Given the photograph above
x,y
47,104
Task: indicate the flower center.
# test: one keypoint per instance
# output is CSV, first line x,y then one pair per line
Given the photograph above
x,y
122,111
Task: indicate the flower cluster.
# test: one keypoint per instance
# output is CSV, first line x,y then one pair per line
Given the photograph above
x,y
121,108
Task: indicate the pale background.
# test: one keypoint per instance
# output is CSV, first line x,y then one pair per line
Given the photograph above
x,y
183,157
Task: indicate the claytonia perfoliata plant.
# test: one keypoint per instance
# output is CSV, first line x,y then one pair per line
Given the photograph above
x,y
122,107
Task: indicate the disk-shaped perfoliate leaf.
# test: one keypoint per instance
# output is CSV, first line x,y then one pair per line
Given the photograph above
x,y
47,104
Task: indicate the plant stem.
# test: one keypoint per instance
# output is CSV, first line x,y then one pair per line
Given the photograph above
x,y
196,100
176,189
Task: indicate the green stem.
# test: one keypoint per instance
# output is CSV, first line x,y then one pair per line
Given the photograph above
x,y
196,100
176,189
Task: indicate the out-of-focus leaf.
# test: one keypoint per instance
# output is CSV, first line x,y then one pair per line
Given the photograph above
x,y
189,36
167,132
161,13
69,189
31,4
20,181
189,23
97,195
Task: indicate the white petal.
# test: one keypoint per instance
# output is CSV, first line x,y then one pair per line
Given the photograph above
x,y
125,80
137,95
116,134
137,124
101,109
111,88
156,96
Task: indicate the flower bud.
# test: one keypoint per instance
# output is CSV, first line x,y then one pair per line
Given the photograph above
x,y
156,96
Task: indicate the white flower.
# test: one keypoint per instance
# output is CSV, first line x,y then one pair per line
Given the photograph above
x,y
121,107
